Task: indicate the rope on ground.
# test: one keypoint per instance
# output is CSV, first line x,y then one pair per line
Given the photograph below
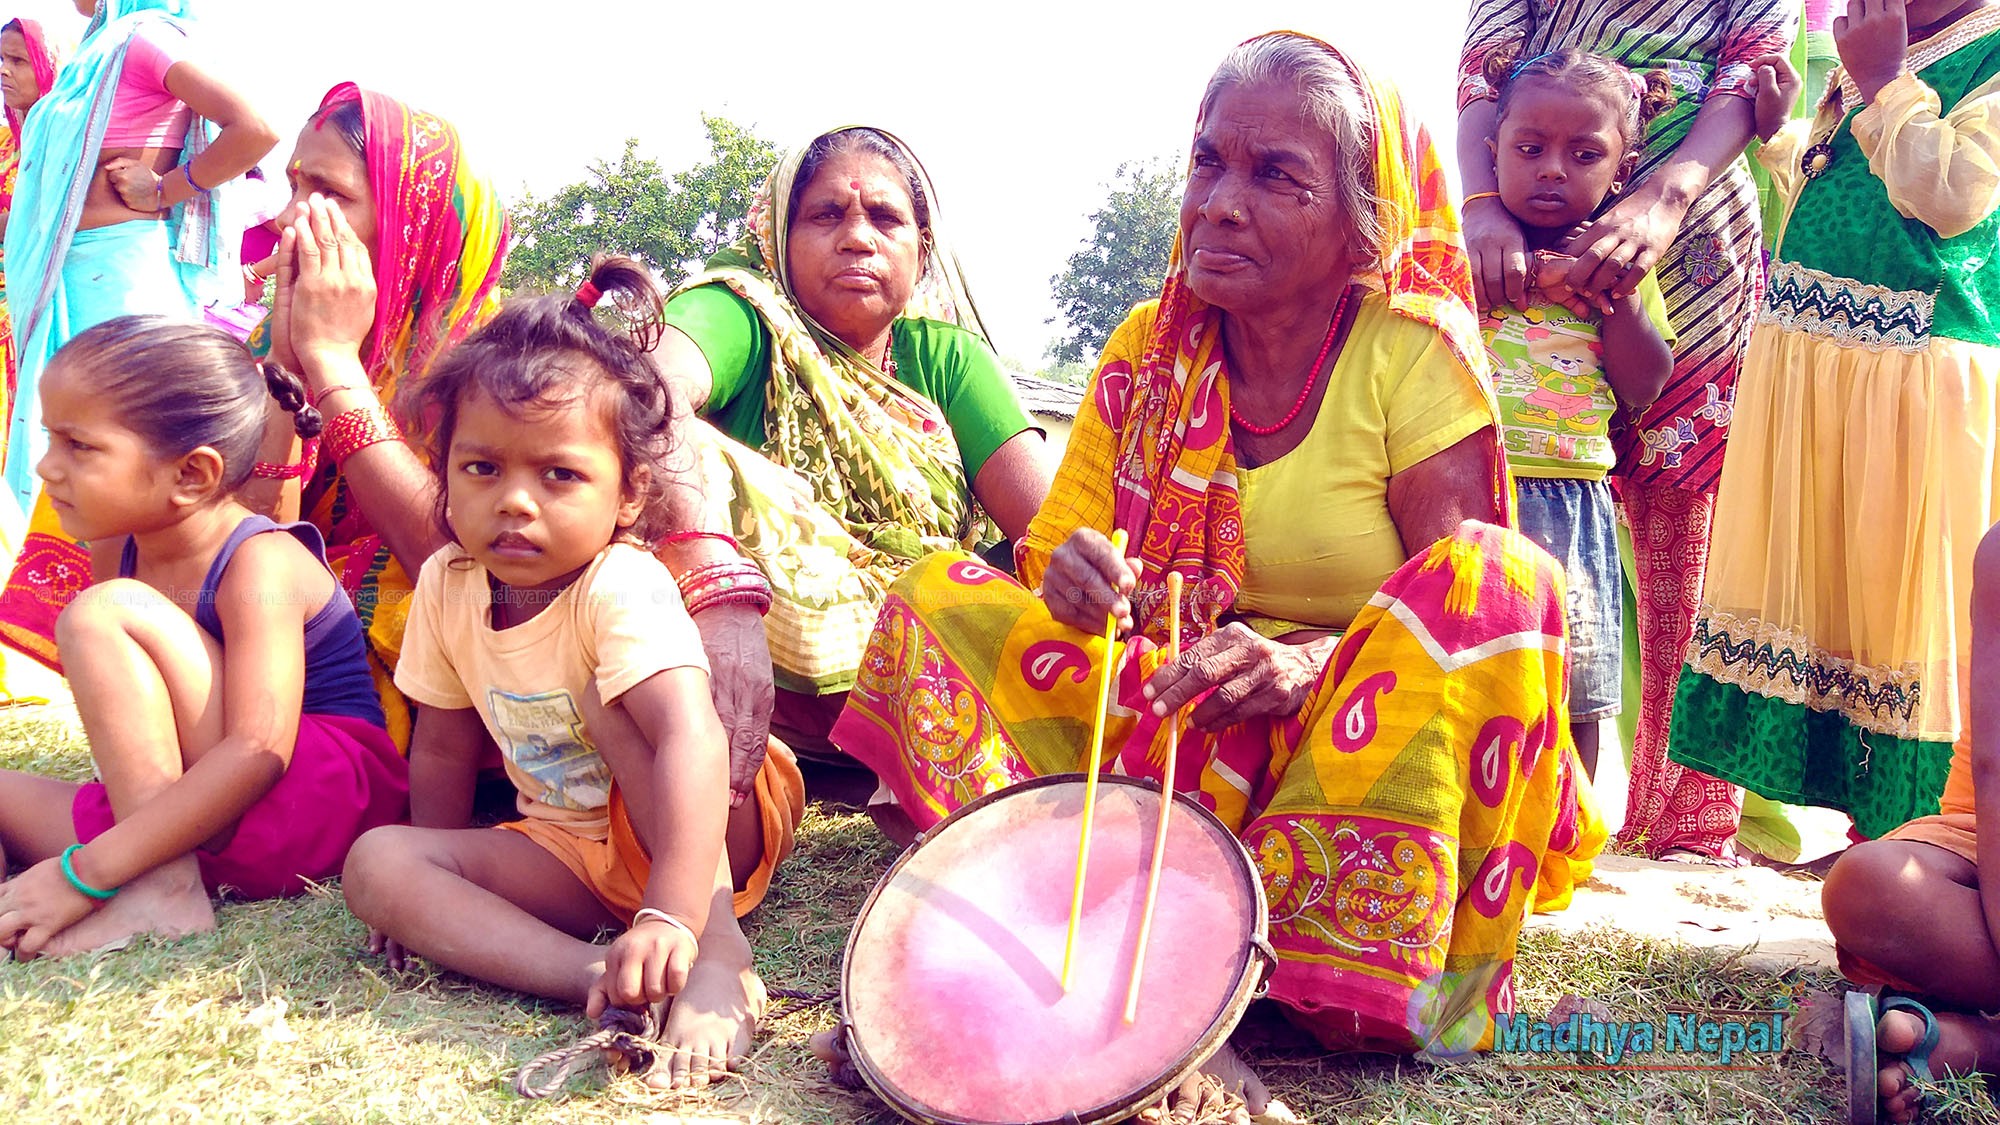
x,y
633,1035
791,1001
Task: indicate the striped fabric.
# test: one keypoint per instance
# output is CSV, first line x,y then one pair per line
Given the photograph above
x,y
1711,275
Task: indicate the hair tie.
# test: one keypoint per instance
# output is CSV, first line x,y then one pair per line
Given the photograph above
x,y
588,294
1520,67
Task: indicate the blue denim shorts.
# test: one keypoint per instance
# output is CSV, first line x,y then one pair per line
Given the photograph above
x,y
1575,521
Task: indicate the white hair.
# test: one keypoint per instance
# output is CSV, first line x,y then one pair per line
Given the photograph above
x,y
1332,101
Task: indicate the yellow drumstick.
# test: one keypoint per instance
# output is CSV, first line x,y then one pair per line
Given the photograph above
x,y
1090,782
1166,806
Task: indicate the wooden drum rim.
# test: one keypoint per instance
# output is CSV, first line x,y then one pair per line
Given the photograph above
x,y
1253,975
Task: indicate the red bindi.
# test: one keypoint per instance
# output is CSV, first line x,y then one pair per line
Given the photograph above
x,y
854,185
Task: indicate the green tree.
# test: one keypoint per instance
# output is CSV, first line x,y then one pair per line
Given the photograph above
x,y
632,206
1124,262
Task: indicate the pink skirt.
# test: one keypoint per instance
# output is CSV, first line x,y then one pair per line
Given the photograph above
x,y
345,778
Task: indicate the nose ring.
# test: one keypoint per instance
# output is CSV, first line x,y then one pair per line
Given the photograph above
x,y
1235,216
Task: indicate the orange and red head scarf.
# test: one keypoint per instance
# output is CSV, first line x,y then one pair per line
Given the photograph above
x,y
1174,474
43,58
442,236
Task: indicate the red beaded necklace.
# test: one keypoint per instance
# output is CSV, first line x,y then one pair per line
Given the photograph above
x,y
1312,377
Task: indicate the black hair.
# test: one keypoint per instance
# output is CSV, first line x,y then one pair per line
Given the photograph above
x,y
181,386
551,350
348,123
1642,97
826,146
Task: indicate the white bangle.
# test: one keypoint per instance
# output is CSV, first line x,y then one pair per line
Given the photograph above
x,y
646,912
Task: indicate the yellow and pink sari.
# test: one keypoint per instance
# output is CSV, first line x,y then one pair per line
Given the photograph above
x,y
1424,800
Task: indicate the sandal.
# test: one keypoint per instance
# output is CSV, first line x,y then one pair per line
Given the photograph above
x,y
1860,1015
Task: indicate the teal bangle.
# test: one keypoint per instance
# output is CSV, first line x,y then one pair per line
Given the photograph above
x,y
82,887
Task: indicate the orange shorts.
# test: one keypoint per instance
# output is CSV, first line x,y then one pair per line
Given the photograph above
x,y
615,869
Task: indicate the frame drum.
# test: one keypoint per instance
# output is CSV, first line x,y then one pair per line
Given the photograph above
x,y
951,996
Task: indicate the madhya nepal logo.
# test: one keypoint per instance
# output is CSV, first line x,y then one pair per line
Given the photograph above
x,y
1452,1015
1588,1041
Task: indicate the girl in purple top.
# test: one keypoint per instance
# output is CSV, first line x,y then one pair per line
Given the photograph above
x,y
220,673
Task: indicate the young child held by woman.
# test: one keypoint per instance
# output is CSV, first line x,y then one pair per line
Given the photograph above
x,y
549,627
1565,140
218,670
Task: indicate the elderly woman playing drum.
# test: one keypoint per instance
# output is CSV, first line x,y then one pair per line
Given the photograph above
x,y
1299,427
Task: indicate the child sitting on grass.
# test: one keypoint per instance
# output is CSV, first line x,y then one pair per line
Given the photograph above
x,y
550,628
1916,911
218,669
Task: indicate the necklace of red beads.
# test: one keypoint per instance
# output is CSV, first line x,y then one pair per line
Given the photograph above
x,y
1312,376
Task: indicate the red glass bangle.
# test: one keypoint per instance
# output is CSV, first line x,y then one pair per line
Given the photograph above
x,y
357,429
297,470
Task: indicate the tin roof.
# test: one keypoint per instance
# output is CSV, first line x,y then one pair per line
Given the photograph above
x,y
1046,396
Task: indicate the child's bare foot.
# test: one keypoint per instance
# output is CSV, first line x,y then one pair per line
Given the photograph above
x,y
710,1025
712,1021
168,900
1967,1044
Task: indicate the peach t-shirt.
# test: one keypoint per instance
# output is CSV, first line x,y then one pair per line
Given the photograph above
x,y
618,624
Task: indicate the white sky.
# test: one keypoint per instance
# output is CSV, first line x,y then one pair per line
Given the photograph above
x,y
1021,111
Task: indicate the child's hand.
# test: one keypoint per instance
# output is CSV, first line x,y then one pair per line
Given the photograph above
x,y
1548,280
1874,43
389,949
1777,86
648,963
36,905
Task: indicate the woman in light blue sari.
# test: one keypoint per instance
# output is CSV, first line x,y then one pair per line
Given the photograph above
x,y
120,207
116,209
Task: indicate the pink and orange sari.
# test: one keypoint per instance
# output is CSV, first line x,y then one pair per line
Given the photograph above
x,y
44,61
1423,801
442,237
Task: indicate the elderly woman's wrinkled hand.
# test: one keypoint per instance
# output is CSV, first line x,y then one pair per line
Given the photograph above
x,y
326,287
1499,254
739,661
1246,675
1086,580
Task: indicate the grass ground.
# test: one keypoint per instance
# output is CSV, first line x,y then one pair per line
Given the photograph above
x,y
278,1016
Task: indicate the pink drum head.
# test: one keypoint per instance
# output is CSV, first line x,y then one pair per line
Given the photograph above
x,y
952,975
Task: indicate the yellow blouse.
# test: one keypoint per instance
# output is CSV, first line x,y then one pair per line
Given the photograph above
x,y
1318,538
1317,535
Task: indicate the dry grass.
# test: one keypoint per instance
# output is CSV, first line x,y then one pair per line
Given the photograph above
x,y
277,1016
